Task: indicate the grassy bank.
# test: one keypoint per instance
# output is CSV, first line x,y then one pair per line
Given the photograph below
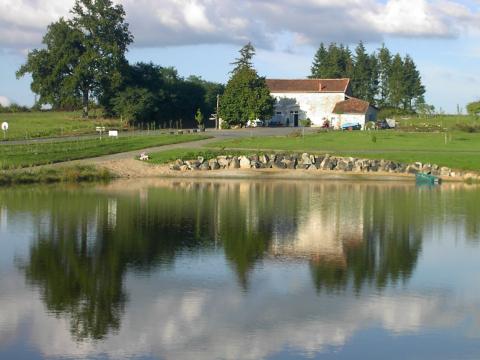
x,y
465,123
52,124
72,174
457,150
18,156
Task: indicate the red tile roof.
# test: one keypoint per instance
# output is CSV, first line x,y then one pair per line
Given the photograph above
x,y
351,106
309,85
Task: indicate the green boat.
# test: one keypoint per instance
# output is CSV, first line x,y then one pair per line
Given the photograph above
x,y
427,179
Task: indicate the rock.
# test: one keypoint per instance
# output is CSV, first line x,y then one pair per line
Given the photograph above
x,y
305,159
264,159
245,162
273,157
269,165
201,159
279,165
255,164
204,166
174,167
214,165
178,162
184,168
445,171
412,169
192,164
223,161
234,164
327,164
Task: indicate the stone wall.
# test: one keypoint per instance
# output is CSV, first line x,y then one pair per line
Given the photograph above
x,y
309,162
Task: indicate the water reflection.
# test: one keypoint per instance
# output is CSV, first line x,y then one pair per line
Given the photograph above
x,y
353,238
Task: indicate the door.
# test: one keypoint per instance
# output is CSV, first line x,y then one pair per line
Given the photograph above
x,y
295,120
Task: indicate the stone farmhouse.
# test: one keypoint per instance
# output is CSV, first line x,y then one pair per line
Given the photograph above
x,y
319,100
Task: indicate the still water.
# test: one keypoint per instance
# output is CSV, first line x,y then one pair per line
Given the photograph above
x,y
240,270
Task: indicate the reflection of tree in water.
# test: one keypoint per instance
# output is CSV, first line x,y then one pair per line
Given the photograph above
x,y
80,258
390,247
79,261
248,216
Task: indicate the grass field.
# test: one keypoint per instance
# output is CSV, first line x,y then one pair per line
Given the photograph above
x,y
457,150
464,123
19,156
52,124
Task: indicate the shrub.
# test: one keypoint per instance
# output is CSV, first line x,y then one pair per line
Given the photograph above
x,y
306,122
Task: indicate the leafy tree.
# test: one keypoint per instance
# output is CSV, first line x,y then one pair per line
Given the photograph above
x,y
199,118
135,104
473,108
246,96
83,57
361,73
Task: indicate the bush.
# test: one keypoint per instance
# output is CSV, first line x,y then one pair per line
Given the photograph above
x,y
470,128
387,113
306,122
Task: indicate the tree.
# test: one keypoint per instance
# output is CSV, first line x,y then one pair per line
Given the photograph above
x,y
246,96
83,57
319,61
384,68
414,90
362,73
473,108
245,60
199,118
396,84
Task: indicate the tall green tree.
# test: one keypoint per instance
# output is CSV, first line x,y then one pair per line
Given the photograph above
x,y
246,96
396,83
414,90
91,48
319,61
384,68
473,108
245,60
362,73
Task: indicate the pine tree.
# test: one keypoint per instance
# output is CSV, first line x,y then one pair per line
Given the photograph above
x,y
246,96
414,90
396,82
245,60
384,68
319,62
361,73
373,78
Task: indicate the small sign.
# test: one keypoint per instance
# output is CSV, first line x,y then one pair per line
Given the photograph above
x,y
4,126
113,133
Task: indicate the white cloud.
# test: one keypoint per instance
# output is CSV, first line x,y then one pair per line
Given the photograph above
x,y
4,101
181,22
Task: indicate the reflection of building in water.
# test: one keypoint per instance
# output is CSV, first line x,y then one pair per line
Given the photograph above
x,y
3,218
331,220
112,213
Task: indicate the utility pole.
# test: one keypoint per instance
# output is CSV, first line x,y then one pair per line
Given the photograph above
x,y
217,117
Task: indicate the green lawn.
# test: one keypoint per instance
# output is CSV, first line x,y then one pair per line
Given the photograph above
x,y
18,156
52,124
440,123
460,151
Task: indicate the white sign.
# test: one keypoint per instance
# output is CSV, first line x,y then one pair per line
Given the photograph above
x,y
4,126
113,133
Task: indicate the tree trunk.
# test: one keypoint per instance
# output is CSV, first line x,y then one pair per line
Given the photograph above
x,y
85,104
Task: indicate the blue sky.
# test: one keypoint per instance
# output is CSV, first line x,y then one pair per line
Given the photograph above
x,y
202,37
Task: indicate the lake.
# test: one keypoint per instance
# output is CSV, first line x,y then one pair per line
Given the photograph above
x,y
181,269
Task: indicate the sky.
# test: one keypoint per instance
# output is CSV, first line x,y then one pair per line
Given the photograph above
x,y
202,37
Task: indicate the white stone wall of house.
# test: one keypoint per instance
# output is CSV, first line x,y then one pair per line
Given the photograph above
x,y
315,106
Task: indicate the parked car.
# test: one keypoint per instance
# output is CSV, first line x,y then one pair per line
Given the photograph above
x,y
351,126
255,123
274,123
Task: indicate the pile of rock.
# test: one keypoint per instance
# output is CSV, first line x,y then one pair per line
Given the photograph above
x,y
307,162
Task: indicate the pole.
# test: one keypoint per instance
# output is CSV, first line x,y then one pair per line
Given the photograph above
x,y
217,117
